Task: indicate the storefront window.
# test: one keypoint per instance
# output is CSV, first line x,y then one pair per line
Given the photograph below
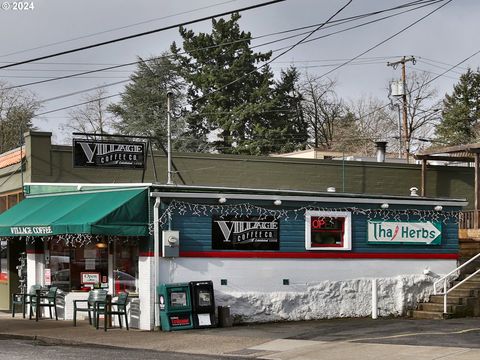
x,y
328,230
125,273
68,263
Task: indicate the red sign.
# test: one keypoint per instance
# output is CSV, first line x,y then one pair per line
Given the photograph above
x,y
180,320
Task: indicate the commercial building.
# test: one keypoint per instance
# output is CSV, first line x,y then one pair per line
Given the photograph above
x,y
272,254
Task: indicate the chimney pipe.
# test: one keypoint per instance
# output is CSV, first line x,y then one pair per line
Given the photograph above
x,y
381,148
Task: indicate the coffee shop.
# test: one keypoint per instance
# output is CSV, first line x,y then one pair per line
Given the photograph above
x,y
271,254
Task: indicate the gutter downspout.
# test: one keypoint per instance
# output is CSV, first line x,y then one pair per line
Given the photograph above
x,y
156,255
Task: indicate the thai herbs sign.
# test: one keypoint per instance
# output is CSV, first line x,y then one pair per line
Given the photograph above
x,y
99,153
245,233
412,232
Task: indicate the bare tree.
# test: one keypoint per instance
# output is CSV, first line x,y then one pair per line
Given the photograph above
x,y
17,108
92,117
374,122
323,111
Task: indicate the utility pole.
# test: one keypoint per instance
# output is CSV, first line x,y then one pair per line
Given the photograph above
x,y
395,64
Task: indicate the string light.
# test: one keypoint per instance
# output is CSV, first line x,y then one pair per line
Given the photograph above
x,y
79,240
245,210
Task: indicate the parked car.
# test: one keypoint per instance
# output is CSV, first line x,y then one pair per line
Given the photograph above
x,y
124,282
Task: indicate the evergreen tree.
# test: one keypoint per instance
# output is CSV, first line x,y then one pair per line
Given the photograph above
x,y
461,111
251,115
142,109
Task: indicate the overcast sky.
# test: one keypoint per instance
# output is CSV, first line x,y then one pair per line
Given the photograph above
x,y
445,37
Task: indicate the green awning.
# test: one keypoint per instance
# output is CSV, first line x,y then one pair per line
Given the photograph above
x,y
105,212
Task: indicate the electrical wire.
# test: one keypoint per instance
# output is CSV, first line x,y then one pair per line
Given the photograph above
x,y
365,24
129,37
276,57
387,39
194,50
118,94
115,29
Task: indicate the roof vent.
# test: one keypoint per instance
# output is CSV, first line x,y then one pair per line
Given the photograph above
x,y
381,149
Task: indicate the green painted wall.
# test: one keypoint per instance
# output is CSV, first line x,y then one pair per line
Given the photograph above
x,y
49,163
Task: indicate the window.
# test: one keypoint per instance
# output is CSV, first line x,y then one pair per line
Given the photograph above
x,y
67,264
328,230
125,264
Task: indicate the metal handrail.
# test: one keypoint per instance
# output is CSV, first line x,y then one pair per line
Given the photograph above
x,y
444,278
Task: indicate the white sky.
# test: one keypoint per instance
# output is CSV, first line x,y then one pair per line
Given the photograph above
x,y
446,36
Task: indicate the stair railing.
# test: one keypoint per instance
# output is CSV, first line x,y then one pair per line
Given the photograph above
x,y
445,279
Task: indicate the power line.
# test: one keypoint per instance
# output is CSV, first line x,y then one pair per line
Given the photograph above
x,y
129,37
82,91
211,47
236,79
387,39
367,23
115,29
276,57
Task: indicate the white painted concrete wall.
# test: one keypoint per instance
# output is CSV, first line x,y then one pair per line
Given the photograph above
x,y
146,291
319,288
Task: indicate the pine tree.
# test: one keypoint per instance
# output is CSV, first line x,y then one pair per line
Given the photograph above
x,y
142,109
461,111
250,115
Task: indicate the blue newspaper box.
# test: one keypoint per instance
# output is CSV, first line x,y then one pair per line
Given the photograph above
x,y
175,306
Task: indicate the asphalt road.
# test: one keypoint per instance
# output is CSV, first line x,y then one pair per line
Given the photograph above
x,y
27,350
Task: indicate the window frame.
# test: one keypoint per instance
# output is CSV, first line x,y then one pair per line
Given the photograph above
x,y
347,230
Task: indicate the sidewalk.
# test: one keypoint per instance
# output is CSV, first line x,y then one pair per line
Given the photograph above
x,y
323,339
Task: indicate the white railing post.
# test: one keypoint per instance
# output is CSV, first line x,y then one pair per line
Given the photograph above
x,y
445,296
374,299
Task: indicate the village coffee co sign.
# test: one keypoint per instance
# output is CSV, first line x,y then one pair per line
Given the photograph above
x,y
245,233
96,153
397,232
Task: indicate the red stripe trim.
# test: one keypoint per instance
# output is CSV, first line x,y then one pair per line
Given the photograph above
x,y
33,251
315,255
146,253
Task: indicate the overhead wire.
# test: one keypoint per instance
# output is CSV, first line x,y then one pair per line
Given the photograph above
x,y
276,57
198,49
118,94
144,33
387,39
115,29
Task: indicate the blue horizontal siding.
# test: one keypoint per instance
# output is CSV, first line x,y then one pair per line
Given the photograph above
x,y
196,235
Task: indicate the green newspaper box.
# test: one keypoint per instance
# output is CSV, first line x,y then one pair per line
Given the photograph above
x,y
175,306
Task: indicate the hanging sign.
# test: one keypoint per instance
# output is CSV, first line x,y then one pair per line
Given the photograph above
x,y
245,233
397,232
99,153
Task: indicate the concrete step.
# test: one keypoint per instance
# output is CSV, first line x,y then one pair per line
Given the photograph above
x,y
419,314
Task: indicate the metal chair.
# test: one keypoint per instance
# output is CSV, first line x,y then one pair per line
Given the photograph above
x,y
106,309
23,299
94,296
47,299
